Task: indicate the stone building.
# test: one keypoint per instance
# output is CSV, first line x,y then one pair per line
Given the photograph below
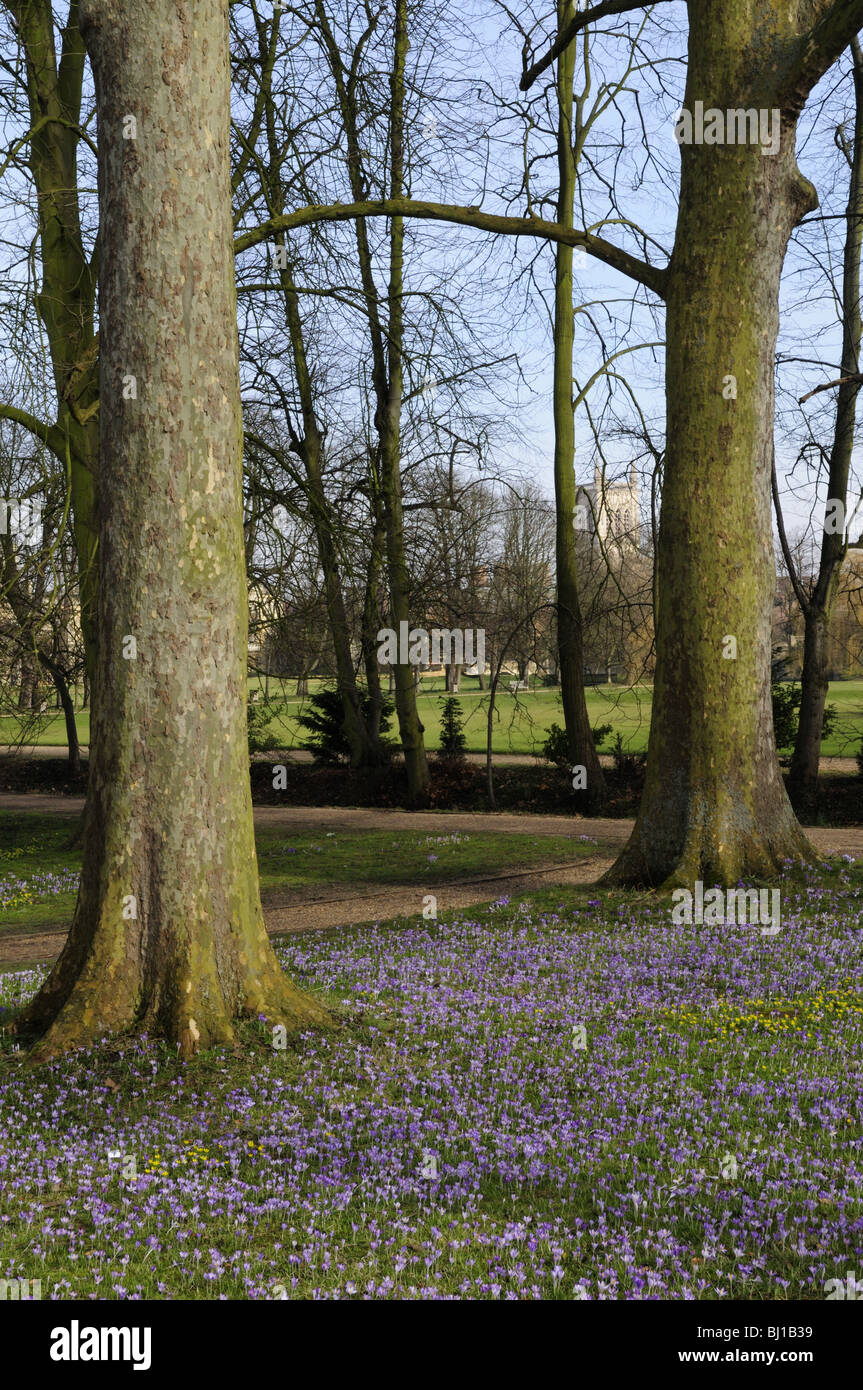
x,y
608,510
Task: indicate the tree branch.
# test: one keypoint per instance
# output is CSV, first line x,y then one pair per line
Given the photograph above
x,y
783,541
835,24
51,435
575,26
653,277
856,379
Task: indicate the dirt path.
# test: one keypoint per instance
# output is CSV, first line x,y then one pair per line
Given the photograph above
x,y
347,904
299,755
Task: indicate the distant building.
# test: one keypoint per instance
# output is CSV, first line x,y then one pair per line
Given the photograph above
x,y
609,510
845,640
846,629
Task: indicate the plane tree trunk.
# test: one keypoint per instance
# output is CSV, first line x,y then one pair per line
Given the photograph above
x,y
168,933
714,806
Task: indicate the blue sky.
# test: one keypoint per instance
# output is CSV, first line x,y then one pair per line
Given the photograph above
x,y
469,138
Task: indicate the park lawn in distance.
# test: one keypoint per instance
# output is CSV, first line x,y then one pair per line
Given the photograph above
x,y
521,721
561,1096
51,731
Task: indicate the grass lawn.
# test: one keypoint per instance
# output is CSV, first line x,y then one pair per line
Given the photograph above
x,y
521,723
39,872
563,1097
523,720
38,869
395,857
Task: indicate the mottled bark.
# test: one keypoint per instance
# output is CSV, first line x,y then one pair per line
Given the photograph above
x,y
168,933
714,806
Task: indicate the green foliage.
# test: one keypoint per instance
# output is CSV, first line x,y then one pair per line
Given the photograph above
x,y
555,749
452,738
786,715
630,767
323,723
260,739
600,733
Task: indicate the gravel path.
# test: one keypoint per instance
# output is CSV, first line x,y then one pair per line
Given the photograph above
x,y
349,904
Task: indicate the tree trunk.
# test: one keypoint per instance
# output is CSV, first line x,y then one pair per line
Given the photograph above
x,y
570,635
67,296
64,702
168,933
489,738
805,762
803,776
371,624
365,752
389,423
714,806
387,366
29,683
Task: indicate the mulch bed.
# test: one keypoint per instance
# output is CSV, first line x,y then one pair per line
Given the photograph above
x,y
542,789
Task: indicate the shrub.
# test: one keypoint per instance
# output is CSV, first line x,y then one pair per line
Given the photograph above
x,y
601,732
555,749
452,738
630,767
323,722
258,717
786,715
